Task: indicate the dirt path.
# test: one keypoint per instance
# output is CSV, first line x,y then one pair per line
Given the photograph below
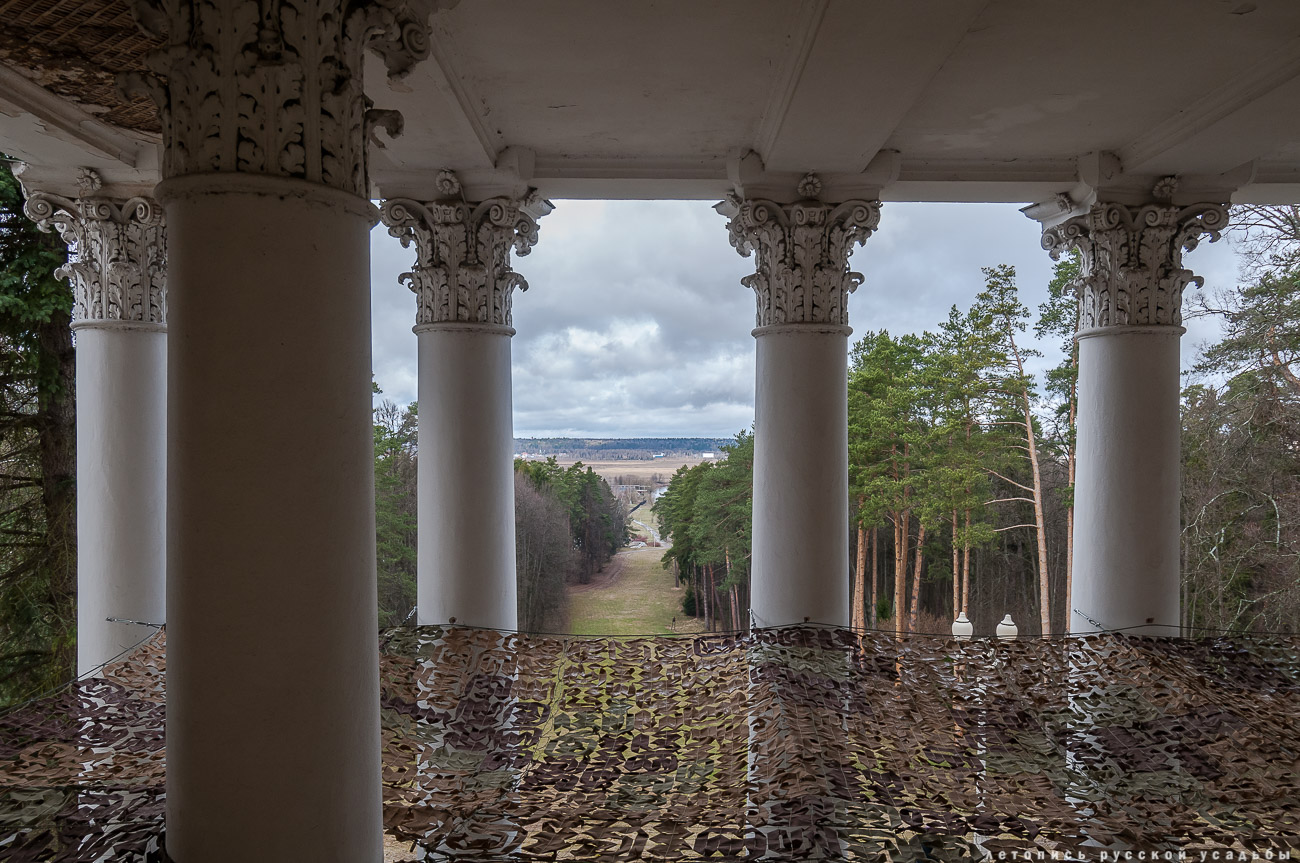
x,y
633,595
605,579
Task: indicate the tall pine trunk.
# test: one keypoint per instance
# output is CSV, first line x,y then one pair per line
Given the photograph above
x,y
708,596
956,571
695,590
859,618
916,577
965,567
875,580
900,571
1040,522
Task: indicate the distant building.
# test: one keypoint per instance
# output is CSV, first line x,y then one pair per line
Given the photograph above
x,y
706,455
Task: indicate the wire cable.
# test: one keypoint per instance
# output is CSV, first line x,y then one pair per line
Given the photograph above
x,y
80,677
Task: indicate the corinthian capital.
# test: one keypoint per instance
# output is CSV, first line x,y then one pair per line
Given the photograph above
x,y
801,253
1132,271
118,268
462,271
273,87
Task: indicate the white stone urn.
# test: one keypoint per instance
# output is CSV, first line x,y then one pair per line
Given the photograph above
x,y
1007,628
962,629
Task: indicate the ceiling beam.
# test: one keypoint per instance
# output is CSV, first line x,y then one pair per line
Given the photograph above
x,y
1247,117
807,20
897,51
58,115
449,79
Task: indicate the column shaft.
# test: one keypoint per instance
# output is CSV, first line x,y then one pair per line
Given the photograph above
x,y
272,654
1126,559
121,487
1126,498
272,678
799,570
801,492
117,270
464,287
466,491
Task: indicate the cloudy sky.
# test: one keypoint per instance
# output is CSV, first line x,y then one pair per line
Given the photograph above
x,y
636,324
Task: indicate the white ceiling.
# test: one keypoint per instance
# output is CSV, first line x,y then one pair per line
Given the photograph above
x,y
951,100
979,99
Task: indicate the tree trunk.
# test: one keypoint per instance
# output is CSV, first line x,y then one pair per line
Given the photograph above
x,y
707,578
57,428
965,568
956,572
859,617
900,572
875,574
915,611
1044,592
695,589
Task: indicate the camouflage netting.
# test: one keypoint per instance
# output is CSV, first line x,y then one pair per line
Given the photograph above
x,y
795,744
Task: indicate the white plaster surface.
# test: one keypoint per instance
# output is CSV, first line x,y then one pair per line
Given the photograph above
x,y
272,665
801,518
466,492
1127,482
121,488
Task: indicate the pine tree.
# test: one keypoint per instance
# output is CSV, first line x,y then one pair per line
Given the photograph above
x,y
889,442
1059,317
1000,309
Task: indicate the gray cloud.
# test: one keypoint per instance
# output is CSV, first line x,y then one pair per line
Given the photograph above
x,y
636,323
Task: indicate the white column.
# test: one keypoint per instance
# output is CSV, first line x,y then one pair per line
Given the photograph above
x,y
1126,498
1127,479
801,467
273,746
118,274
464,284
800,563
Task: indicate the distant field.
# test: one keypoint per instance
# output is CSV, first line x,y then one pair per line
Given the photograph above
x,y
635,472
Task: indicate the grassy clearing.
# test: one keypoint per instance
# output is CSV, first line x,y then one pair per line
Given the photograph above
x,y
636,599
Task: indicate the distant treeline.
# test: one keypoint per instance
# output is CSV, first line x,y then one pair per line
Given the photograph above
x,y
604,449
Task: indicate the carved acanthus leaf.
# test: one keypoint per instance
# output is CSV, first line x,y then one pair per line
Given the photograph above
x,y
801,255
462,271
273,87
1132,271
118,256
